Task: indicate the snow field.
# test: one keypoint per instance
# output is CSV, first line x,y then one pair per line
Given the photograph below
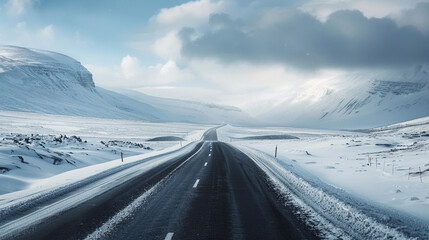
x,y
321,209
42,140
347,161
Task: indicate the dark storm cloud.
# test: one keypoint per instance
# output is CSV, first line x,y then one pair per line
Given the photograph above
x,y
346,39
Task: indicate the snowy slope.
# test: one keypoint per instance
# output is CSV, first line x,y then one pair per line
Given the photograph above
x,y
416,126
47,82
362,99
186,111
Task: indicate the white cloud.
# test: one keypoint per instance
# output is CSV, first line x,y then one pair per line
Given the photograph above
x,y
244,85
168,73
132,74
39,38
168,46
21,25
160,37
81,41
251,86
105,76
244,76
190,14
18,7
47,33
370,8
130,68
169,69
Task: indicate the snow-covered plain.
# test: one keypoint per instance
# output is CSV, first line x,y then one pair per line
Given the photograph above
x,y
386,166
34,146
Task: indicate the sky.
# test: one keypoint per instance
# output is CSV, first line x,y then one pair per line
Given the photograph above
x,y
234,52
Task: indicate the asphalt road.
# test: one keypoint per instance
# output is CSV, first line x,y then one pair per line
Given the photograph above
x,y
214,192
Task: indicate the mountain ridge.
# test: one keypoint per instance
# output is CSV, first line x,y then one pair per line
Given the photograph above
x,y
364,99
42,81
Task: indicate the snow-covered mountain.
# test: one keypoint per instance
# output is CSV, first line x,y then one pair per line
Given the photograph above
x,y
187,110
46,82
361,99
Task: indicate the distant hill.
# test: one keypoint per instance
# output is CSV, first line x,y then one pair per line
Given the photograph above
x,y
364,99
34,80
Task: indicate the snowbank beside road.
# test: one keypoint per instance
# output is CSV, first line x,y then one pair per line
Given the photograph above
x,y
333,217
374,167
38,146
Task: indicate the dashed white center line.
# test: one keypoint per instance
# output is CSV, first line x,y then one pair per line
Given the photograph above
x,y
210,154
169,236
205,164
196,183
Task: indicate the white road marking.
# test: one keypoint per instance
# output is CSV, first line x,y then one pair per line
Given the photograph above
x,y
205,164
210,154
112,223
169,236
196,183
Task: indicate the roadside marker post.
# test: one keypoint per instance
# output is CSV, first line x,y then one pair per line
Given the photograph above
x,y
122,157
420,173
409,172
275,152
